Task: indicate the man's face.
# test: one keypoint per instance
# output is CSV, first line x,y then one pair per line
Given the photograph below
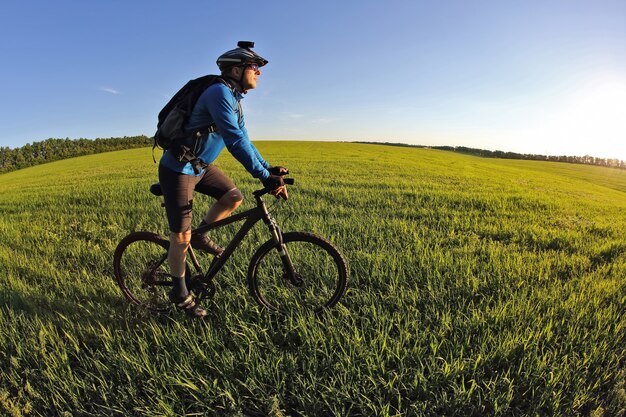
x,y
250,76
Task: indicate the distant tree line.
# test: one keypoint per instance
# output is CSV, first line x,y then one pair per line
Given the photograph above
x,y
587,160
55,149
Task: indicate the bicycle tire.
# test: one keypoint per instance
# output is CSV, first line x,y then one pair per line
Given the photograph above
x,y
318,262
141,270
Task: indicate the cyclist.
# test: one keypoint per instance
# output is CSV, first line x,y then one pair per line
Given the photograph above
x,y
219,104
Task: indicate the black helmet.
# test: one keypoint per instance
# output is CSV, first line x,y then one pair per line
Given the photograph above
x,y
241,55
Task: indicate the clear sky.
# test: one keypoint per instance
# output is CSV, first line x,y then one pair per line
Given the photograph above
x,y
532,76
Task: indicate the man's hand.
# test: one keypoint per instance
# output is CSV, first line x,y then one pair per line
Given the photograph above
x,y
278,170
276,186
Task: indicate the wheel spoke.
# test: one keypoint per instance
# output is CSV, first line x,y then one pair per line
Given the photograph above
x,y
142,272
319,281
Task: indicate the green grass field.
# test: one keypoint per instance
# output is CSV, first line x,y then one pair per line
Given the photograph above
x,y
477,287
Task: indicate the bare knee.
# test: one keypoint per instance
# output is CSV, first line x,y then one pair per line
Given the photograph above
x,y
231,199
180,241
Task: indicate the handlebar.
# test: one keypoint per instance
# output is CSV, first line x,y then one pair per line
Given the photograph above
x,y
263,191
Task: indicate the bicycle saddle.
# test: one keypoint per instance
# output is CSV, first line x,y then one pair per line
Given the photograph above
x,y
156,189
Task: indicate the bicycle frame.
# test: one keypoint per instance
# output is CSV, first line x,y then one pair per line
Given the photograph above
x,y
251,217
141,271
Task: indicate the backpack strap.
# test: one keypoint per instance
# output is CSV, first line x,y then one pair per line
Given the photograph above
x,y
187,98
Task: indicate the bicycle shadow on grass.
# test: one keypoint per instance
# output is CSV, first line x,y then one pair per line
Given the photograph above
x,y
90,315
86,310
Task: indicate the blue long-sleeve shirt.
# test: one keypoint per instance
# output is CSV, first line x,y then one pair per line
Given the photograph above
x,y
220,105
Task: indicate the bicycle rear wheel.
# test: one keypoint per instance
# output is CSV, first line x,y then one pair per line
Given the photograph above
x,y
320,269
142,272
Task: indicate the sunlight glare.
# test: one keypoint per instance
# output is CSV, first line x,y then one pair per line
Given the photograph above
x,y
591,121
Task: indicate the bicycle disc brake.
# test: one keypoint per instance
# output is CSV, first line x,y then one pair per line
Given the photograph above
x,y
296,280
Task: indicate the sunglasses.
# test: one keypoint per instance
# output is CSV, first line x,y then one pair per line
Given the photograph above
x,y
253,67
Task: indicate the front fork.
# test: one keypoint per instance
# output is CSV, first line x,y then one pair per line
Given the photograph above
x,y
289,271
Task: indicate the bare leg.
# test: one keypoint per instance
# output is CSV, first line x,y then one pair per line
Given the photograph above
x,y
224,206
179,242
176,256
221,209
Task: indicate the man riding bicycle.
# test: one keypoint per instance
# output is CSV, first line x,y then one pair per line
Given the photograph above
x,y
220,105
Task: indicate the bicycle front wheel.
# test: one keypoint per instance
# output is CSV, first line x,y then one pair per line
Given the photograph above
x,y
142,272
319,281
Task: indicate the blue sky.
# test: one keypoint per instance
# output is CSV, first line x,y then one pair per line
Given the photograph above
x,y
546,77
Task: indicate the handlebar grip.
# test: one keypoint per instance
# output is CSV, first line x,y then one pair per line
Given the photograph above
x,y
259,193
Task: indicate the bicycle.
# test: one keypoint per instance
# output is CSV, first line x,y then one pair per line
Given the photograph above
x,y
289,272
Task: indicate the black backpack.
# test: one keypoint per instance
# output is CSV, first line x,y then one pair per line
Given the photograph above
x,y
171,133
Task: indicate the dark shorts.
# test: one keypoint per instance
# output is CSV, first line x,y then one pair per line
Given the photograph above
x,y
178,193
